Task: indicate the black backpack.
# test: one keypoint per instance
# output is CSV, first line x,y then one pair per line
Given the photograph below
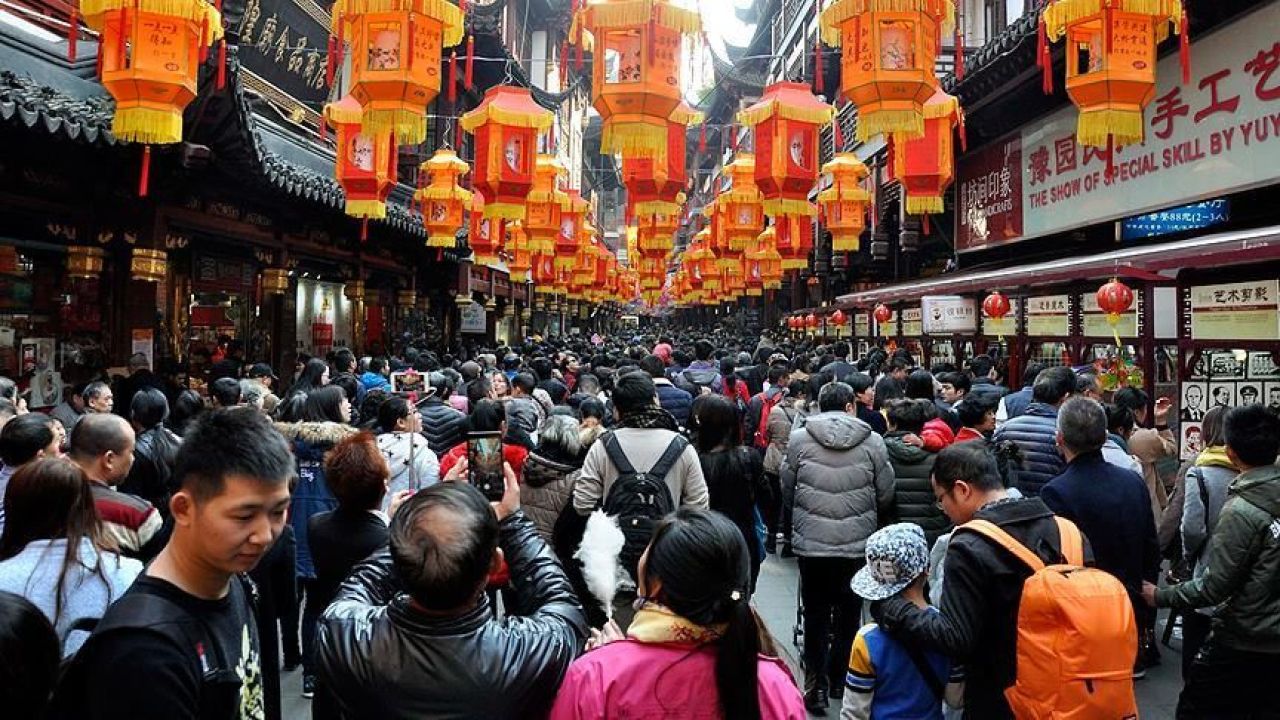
x,y
639,499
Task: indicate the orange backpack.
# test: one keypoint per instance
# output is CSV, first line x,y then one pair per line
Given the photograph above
x,y
1077,638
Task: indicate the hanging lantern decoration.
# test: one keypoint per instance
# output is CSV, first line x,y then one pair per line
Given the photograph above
x,y
395,60
443,200
148,265
655,181
150,53
1115,298
636,76
786,122
544,204
838,318
1111,61
406,299
353,290
882,314
926,165
844,203
740,207
506,127
811,321
84,261
996,306
887,62
769,260
274,281
568,238
484,234
519,256
366,166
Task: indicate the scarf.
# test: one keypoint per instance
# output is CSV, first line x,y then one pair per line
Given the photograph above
x,y
1124,444
1215,456
650,418
655,623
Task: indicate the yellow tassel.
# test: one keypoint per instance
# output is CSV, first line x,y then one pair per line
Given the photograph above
x,y
147,125
506,211
787,206
1094,126
656,207
447,13
94,11
625,138
847,193
1061,13
441,241
924,204
792,264
488,112
337,114
639,12
432,192
907,124
410,126
759,113
845,243
372,209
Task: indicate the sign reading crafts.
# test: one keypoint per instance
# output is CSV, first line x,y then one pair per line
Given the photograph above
x,y
1218,134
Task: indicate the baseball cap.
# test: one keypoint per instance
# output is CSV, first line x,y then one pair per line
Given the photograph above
x,y
896,555
261,370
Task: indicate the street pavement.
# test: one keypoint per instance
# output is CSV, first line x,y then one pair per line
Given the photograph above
x,y
775,601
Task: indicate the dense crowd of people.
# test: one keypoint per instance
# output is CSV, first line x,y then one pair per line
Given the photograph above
x,y
165,554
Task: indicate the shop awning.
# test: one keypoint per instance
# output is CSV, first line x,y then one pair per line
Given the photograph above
x,y
1149,262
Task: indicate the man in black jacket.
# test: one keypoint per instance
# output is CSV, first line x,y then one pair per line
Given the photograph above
x,y
443,425
982,583
411,633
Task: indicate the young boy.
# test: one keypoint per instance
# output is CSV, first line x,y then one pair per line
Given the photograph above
x,y
888,678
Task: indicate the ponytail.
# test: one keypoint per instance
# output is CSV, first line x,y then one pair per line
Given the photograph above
x,y
737,663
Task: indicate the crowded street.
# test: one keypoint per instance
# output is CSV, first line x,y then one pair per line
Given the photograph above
x,y
654,359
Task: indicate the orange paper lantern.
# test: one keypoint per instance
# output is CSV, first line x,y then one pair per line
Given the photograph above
x,y
887,61
150,51
484,235
926,165
443,201
506,126
396,47
366,164
520,258
568,238
654,182
786,121
740,209
844,203
544,205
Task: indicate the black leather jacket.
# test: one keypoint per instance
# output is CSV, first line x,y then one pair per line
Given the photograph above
x,y
379,657
443,426
150,477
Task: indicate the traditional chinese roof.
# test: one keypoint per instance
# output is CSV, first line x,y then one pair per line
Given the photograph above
x,y
41,90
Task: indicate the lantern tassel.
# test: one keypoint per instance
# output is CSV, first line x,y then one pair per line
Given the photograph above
x,y
329,62
964,134
959,43
471,61
222,63
925,227
73,33
564,65
837,134
364,230
1111,156
204,39
1044,57
144,174
702,138
453,76
1184,46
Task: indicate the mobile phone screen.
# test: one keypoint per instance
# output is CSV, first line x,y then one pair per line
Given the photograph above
x,y
484,463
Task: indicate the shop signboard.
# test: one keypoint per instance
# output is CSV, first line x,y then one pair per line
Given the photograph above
x,y
283,45
861,324
1096,325
1175,220
911,323
1236,311
948,314
1049,316
473,318
1217,135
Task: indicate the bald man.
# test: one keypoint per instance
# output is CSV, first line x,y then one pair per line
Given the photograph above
x,y
102,445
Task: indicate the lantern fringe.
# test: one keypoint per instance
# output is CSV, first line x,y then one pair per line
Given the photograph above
x,y
343,113
924,204
788,206
450,17
433,192
505,211
147,125
656,207
368,209
906,124
488,112
1060,13
639,12
626,138
559,197
409,126
94,12
445,160
1095,126
685,115
795,263
949,106
441,241
843,10
845,243
819,114
842,192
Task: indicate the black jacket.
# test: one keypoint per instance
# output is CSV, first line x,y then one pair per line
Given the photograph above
x,y
982,585
443,425
674,400
380,657
983,387
340,540
150,477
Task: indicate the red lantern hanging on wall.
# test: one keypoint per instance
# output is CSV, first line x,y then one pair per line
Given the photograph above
x,y
396,47
1115,298
996,306
366,164
889,48
926,165
444,201
506,126
882,314
811,321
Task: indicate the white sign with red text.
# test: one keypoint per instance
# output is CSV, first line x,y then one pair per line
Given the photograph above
x,y
1219,134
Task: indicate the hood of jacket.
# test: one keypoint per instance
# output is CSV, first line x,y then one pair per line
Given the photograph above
x,y
540,470
1215,456
315,433
1260,486
837,430
1040,409
901,452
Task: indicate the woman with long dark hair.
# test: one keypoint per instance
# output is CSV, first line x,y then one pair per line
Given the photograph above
x,y
186,408
694,631
867,393
315,375
734,474
154,450
55,553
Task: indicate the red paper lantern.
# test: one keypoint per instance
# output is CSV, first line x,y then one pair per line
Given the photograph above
x,y
786,122
811,321
366,164
995,306
1115,298
838,317
926,165
882,313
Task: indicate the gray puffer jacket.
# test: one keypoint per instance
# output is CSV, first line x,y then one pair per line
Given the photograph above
x,y
839,481
546,490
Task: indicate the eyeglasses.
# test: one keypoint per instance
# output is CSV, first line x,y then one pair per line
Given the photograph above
x,y
937,502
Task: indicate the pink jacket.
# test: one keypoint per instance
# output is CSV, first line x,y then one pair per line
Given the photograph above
x,y
630,679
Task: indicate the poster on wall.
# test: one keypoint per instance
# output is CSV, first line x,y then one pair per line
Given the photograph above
x,y
1191,440
912,322
142,344
1262,366
1049,316
1193,405
948,314
473,319
1236,311
1271,395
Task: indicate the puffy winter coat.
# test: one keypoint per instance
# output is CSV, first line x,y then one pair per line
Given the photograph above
x,y
524,415
781,420
413,466
311,494
913,499
547,490
839,481
1035,433
442,425
674,400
